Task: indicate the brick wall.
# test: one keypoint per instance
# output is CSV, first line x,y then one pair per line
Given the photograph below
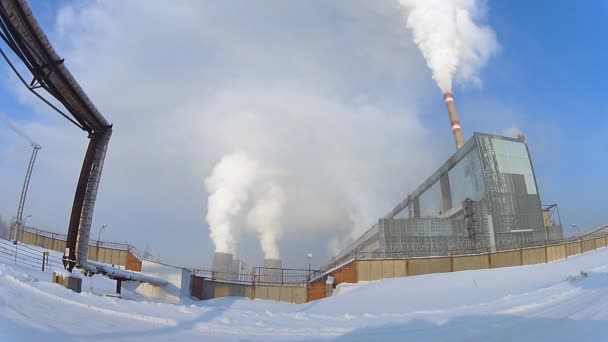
x,y
133,263
344,274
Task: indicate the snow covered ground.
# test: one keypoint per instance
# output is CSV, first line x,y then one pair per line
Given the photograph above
x,y
532,303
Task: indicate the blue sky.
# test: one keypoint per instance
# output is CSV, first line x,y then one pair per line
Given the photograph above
x,y
343,57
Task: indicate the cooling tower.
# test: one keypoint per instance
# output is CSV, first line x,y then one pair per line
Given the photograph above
x,y
222,262
273,263
454,121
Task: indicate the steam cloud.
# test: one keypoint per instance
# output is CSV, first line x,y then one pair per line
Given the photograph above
x,y
452,43
235,180
265,218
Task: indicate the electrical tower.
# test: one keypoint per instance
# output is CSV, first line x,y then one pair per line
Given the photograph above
x,y
18,224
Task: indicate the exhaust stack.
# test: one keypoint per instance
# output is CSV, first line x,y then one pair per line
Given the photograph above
x,y
454,121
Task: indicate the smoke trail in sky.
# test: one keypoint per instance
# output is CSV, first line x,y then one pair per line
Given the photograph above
x,y
454,44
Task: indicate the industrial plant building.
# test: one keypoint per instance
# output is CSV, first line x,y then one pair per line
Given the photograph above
x,y
484,198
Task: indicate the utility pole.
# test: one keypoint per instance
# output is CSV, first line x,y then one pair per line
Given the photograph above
x,y
28,175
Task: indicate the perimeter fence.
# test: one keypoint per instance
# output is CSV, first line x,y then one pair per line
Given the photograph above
x,y
25,255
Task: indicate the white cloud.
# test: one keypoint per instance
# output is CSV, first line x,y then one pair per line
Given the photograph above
x,y
324,91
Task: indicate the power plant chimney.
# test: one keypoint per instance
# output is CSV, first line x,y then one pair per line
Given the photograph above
x,y
454,121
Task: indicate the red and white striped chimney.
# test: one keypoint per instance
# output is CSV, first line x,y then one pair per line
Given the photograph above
x,y
454,121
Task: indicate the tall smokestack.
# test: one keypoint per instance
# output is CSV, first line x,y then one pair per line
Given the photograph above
x,y
454,121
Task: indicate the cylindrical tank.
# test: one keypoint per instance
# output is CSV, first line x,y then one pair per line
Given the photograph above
x,y
273,263
222,262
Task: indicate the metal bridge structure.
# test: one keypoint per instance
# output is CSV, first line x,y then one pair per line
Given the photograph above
x,y
21,33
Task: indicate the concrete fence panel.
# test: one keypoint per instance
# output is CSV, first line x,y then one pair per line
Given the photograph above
x,y
59,245
505,259
32,237
260,292
299,295
400,268
101,254
105,255
48,243
600,242
115,257
274,293
532,256
471,262
428,265
28,238
556,252
35,240
93,253
122,257
588,245
249,291
388,269
363,270
229,290
375,270
573,248
286,294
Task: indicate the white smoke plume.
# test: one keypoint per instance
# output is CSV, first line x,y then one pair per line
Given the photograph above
x,y
240,181
229,186
265,218
454,45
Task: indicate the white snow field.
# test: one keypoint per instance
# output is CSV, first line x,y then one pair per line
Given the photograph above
x,y
551,302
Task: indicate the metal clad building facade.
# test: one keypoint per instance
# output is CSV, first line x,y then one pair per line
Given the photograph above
x,y
484,198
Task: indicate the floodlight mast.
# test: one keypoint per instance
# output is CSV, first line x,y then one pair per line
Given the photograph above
x,y
18,224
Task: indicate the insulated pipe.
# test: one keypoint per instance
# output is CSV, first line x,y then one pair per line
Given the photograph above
x,y
454,121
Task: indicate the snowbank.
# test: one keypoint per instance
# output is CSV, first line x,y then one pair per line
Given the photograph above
x,y
539,302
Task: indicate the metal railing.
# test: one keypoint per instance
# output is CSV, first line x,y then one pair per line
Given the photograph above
x,y
446,250
63,237
260,276
20,254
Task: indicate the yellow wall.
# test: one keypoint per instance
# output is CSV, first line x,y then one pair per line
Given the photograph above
x,y
534,256
600,242
363,270
471,262
556,252
428,265
506,259
588,245
573,248
104,255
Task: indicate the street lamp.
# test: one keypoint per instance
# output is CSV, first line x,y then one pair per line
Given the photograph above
x,y
309,256
574,226
99,235
99,241
19,228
